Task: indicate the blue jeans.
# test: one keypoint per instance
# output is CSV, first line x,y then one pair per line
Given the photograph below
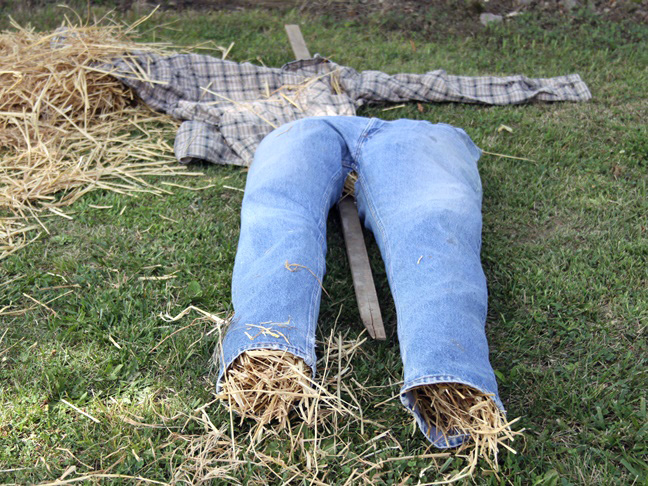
x,y
419,192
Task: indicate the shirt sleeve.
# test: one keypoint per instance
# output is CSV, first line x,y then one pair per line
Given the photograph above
x,y
197,140
437,86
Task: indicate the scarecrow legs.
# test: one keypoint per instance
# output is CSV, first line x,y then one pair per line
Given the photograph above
x,y
419,192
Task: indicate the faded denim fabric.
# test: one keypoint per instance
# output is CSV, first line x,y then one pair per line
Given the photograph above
x,y
419,192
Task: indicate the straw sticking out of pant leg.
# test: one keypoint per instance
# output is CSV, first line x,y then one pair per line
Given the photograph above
x,y
457,409
349,183
266,385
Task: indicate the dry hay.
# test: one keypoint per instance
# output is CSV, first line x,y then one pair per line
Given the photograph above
x,y
349,183
457,409
220,451
267,385
208,456
13,235
67,127
289,452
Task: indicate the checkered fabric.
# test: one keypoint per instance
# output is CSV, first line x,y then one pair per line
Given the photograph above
x,y
229,107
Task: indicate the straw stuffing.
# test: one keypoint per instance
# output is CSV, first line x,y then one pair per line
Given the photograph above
x,y
266,385
457,409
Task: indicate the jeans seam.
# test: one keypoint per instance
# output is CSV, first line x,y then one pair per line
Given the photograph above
x,y
362,139
374,212
365,189
312,317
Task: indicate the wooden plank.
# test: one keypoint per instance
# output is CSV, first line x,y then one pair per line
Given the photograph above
x,y
363,282
297,42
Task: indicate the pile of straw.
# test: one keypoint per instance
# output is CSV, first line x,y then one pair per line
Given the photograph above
x,y
67,127
48,80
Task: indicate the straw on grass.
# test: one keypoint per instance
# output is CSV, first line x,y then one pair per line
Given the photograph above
x,y
220,450
68,127
266,385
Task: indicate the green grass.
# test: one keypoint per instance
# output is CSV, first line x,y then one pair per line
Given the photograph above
x,y
565,247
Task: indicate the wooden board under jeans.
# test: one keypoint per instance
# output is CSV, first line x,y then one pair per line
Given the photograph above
x,y
363,283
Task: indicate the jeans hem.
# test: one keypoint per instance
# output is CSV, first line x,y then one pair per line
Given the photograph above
x,y
433,436
434,379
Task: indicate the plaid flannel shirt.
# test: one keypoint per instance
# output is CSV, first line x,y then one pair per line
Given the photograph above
x,y
227,108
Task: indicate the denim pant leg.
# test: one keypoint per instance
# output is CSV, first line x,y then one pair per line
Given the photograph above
x,y
296,177
419,191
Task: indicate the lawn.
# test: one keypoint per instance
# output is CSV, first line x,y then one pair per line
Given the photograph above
x,y
565,251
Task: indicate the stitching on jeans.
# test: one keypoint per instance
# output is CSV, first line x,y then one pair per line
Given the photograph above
x,y
366,192
369,130
362,139
372,208
312,318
